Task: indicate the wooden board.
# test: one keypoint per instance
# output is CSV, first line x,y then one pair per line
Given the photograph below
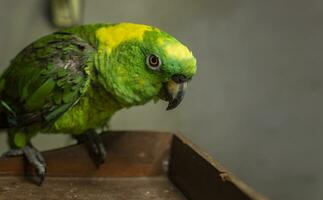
x,y
128,154
199,176
139,165
153,188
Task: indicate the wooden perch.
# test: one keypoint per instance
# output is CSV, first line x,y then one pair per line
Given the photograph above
x,y
140,165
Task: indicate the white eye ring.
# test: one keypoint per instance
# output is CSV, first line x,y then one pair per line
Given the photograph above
x,y
153,62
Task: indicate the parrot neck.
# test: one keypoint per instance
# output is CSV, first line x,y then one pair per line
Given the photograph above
x,y
104,76
118,66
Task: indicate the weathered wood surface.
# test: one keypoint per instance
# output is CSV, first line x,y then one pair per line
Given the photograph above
x,y
153,188
129,154
137,167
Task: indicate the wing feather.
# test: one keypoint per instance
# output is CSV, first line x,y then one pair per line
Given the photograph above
x,y
44,80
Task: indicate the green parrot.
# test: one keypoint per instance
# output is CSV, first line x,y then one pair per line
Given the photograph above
x,y
74,80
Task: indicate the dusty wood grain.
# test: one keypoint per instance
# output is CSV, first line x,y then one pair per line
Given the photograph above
x,y
154,188
199,176
129,154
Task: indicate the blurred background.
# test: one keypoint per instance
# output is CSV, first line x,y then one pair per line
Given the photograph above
x,y
255,104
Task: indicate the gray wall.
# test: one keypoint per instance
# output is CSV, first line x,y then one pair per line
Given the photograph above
x,y
255,103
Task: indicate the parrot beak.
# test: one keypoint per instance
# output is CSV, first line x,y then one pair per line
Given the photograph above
x,y
173,91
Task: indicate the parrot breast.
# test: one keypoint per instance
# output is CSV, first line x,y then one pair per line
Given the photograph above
x,y
93,110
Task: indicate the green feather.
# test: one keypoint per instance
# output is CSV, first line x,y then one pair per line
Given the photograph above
x,y
72,80
38,98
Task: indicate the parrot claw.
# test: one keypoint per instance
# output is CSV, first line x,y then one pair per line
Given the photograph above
x,y
41,176
98,152
36,159
95,145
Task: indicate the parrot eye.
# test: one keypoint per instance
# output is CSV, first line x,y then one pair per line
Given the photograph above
x,y
153,62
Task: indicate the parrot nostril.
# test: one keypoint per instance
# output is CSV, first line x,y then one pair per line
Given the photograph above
x,y
179,78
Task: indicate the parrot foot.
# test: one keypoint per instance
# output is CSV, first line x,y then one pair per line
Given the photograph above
x,y
95,145
36,159
33,156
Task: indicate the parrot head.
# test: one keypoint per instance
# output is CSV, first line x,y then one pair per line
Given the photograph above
x,y
138,63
